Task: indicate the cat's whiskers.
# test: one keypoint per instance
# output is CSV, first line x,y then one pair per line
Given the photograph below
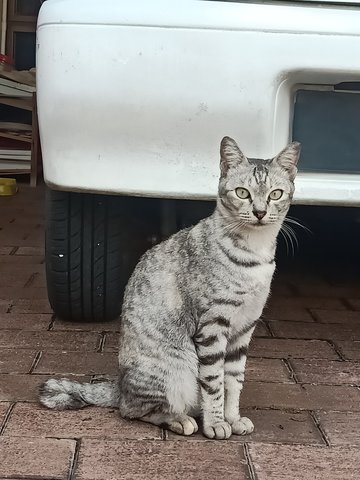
x,y
289,232
281,231
273,219
234,226
296,222
293,234
236,217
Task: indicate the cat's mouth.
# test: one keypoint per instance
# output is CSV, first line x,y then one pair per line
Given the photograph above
x,y
259,223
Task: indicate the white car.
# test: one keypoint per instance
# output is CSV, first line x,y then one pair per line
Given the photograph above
x,y
134,97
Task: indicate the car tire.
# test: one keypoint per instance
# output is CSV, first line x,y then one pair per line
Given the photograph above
x,y
88,259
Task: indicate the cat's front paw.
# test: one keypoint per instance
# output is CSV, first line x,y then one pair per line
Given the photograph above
x,y
243,426
217,431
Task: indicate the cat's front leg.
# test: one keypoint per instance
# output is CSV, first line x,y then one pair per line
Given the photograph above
x,y
211,342
234,372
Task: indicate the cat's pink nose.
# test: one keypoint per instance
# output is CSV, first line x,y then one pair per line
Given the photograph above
x,y
259,214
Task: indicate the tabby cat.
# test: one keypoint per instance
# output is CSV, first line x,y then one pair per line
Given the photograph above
x,y
191,306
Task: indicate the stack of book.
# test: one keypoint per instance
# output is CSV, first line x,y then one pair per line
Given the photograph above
x,y
16,91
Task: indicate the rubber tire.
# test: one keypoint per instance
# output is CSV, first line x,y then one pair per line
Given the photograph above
x,y
86,265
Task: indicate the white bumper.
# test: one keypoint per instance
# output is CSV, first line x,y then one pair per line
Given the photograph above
x,y
135,96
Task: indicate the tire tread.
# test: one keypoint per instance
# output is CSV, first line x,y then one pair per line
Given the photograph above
x,y
85,283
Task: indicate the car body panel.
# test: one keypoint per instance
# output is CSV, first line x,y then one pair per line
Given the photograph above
x,y
134,97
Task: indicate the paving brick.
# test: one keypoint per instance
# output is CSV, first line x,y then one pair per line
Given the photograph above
x,y
36,238
297,314
341,428
272,426
111,342
4,305
281,427
285,348
16,213
303,462
130,460
6,217
39,280
6,250
261,330
25,321
113,326
11,213
329,291
16,361
13,279
24,388
272,395
22,223
26,294
280,288
331,397
354,303
73,363
32,420
327,372
331,316
310,397
316,330
40,458
77,341
307,302
301,275
16,261
22,235
350,350
267,370
31,306
4,408
341,277
24,271
30,251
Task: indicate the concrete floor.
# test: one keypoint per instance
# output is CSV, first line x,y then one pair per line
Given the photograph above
x,y
302,379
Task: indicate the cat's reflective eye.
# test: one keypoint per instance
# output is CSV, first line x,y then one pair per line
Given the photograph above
x,y
242,193
276,194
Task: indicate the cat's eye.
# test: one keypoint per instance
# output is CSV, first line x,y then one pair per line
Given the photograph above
x,y
242,193
276,194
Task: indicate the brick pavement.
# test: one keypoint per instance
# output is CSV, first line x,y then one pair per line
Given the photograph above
x,y
302,382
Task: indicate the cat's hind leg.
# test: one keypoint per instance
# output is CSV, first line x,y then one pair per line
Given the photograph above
x,y
162,393
181,424
181,389
182,396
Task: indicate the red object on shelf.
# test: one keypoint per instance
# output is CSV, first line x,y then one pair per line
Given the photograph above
x,y
6,61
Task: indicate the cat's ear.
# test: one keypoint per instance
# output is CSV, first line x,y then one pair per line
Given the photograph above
x,y
230,155
288,158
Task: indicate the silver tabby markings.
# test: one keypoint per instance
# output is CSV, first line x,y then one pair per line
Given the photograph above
x,y
191,306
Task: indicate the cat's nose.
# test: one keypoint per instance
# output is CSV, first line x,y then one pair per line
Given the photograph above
x,y
259,213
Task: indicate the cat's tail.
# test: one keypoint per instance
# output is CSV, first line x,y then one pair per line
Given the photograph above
x,y
66,394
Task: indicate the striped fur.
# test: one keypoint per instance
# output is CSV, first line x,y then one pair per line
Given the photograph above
x,y
191,306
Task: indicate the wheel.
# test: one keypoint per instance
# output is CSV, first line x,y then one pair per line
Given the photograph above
x,y
89,254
